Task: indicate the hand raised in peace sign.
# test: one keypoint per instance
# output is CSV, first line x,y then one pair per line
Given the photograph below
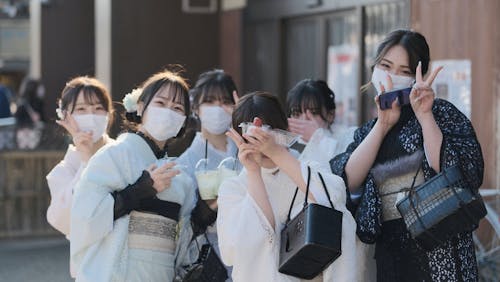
x,y
422,95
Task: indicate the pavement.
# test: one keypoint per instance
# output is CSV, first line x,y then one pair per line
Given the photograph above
x,y
37,260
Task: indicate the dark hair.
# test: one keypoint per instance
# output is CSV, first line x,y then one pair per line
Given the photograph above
x,y
413,42
213,85
90,88
263,105
309,94
177,88
28,97
4,103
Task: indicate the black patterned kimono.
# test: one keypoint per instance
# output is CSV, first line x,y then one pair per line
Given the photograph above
x,y
398,256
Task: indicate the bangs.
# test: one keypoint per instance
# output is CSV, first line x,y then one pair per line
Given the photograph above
x,y
176,93
262,105
175,87
215,93
93,96
304,100
211,92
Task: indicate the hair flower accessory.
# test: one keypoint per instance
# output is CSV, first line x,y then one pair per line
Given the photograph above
x,y
130,100
59,111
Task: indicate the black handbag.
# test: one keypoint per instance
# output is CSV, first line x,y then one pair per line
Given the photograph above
x,y
207,268
441,208
311,240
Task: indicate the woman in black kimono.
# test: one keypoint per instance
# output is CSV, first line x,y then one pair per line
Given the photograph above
x,y
404,142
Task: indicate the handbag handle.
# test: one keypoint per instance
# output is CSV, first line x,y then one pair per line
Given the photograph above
x,y
307,192
297,190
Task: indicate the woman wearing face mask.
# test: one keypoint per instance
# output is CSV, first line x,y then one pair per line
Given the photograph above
x,y
311,111
128,213
404,143
253,206
85,108
213,101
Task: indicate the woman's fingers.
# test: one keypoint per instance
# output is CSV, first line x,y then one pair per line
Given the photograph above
x,y
151,168
65,125
395,104
235,97
246,153
260,134
377,101
235,136
390,85
295,125
167,166
252,139
82,137
382,87
72,122
423,95
169,174
433,75
418,73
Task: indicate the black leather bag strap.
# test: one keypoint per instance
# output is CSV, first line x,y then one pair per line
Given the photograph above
x,y
296,191
307,188
326,190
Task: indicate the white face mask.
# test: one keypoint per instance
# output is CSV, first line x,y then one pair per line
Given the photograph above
x,y
398,81
214,119
95,123
162,123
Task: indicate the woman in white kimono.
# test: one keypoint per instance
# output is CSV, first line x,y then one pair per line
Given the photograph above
x,y
213,99
311,110
128,212
85,108
253,206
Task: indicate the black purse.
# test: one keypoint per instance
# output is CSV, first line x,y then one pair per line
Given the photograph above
x,y
311,240
441,208
207,268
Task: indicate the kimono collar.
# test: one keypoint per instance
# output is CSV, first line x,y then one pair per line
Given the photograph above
x,y
272,171
159,153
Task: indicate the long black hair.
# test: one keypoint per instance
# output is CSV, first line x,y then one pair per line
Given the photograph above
x,y
313,95
413,42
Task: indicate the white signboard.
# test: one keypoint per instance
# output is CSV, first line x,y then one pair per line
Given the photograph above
x,y
453,83
343,80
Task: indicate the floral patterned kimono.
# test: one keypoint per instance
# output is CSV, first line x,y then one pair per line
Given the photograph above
x,y
400,156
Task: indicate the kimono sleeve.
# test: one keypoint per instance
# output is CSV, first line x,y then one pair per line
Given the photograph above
x,y
367,211
321,147
460,145
92,209
243,230
61,181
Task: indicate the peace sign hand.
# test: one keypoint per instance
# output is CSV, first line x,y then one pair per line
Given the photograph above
x,y
69,123
82,140
422,95
246,152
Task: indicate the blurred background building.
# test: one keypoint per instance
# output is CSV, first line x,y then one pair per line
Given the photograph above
x,y
264,44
